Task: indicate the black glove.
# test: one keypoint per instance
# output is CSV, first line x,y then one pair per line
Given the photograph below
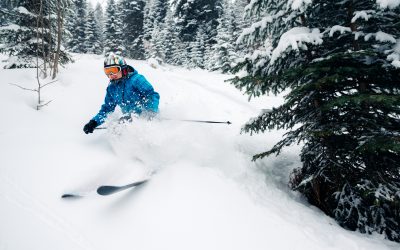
x,y
90,126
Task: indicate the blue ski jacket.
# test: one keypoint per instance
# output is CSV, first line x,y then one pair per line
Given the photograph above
x,y
132,93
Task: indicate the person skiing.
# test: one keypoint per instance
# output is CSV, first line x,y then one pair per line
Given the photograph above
x,y
128,89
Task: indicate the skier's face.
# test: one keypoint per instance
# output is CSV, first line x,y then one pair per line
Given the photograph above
x,y
113,72
115,76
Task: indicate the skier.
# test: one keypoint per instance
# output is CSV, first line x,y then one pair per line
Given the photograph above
x,y
127,89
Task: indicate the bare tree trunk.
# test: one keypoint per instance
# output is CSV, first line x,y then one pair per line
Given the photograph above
x,y
43,37
50,53
60,20
39,16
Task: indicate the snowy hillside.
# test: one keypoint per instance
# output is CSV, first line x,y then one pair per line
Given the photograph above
x,y
206,193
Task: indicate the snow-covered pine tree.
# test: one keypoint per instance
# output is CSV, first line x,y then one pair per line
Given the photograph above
x,y
69,25
154,20
191,15
78,27
340,62
180,53
132,26
5,10
30,32
99,15
170,40
5,7
32,37
18,33
113,36
93,42
198,50
239,25
156,48
224,50
238,11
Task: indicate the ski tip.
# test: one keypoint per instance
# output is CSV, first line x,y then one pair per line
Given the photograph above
x,y
69,196
107,190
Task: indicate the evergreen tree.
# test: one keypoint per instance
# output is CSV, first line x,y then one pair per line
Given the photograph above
x,y
69,23
198,50
92,43
170,40
5,8
132,25
19,32
77,26
224,49
340,62
99,16
28,33
113,37
155,14
180,52
191,16
157,49
239,24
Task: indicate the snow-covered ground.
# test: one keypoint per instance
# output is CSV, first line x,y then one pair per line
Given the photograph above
x,y
206,193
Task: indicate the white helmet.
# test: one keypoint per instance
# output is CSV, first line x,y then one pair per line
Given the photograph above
x,y
113,59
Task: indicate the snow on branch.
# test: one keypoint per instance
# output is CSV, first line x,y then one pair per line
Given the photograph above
x,y
297,4
23,10
13,27
262,24
339,28
381,37
364,14
384,37
395,56
250,6
295,38
391,4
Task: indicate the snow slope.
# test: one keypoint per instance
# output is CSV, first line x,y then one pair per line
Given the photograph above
x,y
206,194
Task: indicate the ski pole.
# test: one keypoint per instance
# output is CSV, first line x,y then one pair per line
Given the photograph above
x,y
227,122
179,120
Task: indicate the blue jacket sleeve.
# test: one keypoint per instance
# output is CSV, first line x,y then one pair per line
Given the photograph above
x,y
108,106
150,99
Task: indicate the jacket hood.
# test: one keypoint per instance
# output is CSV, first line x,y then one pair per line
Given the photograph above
x,y
130,71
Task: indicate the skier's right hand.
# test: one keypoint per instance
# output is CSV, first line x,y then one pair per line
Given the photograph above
x,y
90,126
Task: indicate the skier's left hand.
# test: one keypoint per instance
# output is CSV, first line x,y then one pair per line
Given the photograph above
x,y
90,126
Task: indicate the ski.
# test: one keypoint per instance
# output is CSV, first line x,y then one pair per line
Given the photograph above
x,y
103,190
107,190
72,195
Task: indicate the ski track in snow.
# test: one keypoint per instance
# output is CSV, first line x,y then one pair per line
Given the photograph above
x,y
206,194
22,200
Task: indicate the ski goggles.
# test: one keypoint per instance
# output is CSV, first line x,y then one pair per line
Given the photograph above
x,y
112,70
